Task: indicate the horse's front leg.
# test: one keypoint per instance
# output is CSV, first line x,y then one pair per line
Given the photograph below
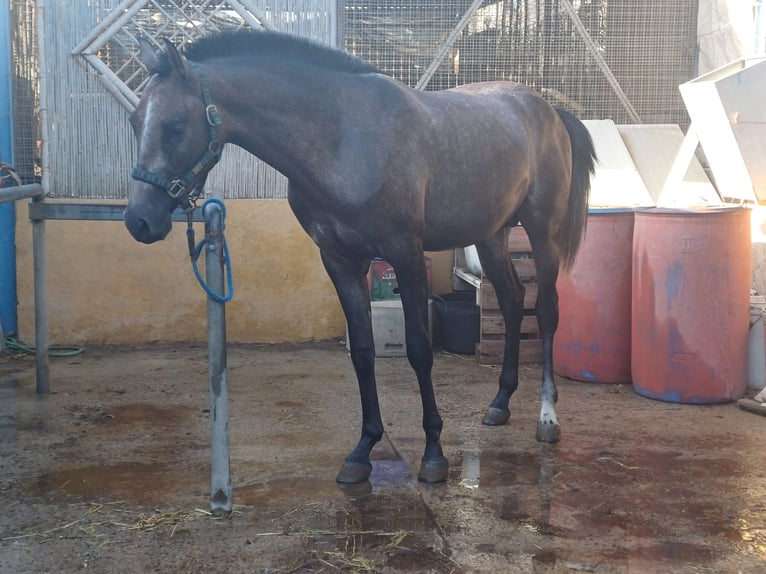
x,y
413,287
348,275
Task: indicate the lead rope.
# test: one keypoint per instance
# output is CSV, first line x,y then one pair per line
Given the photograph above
x,y
195,250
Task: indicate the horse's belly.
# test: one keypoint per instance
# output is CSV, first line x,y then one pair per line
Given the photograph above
x,y
461,223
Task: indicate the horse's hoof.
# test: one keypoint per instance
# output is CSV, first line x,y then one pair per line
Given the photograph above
x,y
353,472
434,471
548,432
496,417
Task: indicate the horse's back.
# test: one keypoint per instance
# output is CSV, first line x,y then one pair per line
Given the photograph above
x,y
489,144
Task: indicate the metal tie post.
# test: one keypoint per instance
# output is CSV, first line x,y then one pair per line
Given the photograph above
x,y
220,476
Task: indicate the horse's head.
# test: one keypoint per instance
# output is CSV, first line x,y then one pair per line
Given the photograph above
x,y
176,129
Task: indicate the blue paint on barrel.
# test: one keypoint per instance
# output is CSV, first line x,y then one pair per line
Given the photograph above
x,y
675,276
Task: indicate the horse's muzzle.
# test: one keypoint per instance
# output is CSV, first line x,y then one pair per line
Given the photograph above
x,y
144,229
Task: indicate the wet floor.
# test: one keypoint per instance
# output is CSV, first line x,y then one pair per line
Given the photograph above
x,y
110,473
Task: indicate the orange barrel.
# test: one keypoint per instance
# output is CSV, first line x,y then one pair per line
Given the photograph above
x,y
691,297
592,342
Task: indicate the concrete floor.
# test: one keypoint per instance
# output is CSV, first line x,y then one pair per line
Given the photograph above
x,y
110,472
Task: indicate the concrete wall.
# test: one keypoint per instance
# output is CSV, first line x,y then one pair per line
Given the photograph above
x,y
104,287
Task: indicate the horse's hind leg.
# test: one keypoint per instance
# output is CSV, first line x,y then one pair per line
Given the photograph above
x,y
496,264
349,277
547,308
413,287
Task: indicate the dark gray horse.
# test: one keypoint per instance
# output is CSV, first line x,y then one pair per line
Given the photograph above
x,y
375,169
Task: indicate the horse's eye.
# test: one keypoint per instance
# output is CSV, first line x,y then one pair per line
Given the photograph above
x,y
174,130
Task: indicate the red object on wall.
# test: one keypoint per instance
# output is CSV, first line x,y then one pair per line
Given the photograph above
x,y
381,280
691,296
592,342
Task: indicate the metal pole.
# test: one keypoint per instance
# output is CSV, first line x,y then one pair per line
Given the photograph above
x,y
38,226
113,22
220,476
41,304
251,14
590,45
21,192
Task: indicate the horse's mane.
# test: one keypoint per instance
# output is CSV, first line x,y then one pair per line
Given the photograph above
x,y
286,47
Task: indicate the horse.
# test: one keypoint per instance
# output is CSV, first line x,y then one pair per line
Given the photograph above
x,y
375,169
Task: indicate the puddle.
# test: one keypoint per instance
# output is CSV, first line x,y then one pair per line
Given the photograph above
x,y
295,490
386,476
672,550
392,512
499,469
290,404
9,384
390,474
135,414
397,524
642,504
140,482
383,520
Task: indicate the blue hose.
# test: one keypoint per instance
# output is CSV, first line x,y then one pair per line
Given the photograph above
x,y
220,298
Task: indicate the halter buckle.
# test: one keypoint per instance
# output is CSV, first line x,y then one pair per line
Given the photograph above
x,y
212,115
176,189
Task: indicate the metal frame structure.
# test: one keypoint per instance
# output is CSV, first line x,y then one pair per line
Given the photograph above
x,y
432,43
123,24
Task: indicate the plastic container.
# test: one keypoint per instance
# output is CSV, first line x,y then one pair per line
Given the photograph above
x,y
691,294
459,321
592,342
756,352
388,328
381,280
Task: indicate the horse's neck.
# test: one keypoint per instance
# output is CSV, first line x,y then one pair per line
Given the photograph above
x,y
286,120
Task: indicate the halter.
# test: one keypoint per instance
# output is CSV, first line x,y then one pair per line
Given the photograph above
x,y
187,189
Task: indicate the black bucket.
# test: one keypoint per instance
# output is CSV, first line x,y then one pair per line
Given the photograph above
x,y
459,321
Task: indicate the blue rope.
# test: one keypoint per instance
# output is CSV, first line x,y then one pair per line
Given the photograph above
x,y
226,259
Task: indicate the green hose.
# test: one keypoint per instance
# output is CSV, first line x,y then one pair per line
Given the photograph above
x,y
53,350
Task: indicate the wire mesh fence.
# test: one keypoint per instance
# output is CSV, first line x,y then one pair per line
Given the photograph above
x,y
26,93
616,59
561,48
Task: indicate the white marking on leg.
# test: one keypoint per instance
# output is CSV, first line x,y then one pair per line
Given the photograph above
x,y
548,413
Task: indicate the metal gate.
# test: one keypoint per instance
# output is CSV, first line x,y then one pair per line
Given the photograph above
x,y
617,59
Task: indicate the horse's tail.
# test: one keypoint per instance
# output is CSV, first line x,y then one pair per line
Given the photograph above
x,y
583,166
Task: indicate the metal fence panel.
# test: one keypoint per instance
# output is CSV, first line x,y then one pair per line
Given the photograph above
x,y
600,58
648,45
94,77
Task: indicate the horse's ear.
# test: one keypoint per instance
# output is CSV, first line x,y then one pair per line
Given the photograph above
x,y
149,55
176,60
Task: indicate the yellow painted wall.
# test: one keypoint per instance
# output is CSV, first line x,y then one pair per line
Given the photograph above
x,y
104,287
